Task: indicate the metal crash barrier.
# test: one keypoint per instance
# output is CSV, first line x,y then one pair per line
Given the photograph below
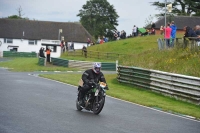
x,y
182,87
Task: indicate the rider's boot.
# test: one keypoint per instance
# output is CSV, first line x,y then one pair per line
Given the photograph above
x,y
81,101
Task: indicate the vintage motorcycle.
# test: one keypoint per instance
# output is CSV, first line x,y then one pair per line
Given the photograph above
x,y
94,99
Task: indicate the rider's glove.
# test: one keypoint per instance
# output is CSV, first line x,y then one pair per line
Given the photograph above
x,y
106,88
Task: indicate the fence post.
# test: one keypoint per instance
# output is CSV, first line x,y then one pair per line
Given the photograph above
x,y
45,62
116,65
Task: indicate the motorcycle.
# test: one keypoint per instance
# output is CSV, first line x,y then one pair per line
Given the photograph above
x,y
94,99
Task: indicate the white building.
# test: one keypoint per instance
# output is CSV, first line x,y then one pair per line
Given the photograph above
x,y
29,36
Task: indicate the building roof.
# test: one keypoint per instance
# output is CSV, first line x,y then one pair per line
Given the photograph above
x,y
36,30
180,21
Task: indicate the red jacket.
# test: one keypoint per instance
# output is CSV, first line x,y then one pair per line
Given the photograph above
x,y
167,32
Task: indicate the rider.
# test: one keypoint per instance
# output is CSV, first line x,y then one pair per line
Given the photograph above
x,y
90,76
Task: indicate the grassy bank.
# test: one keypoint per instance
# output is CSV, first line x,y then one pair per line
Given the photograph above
x,y
136,95
143,52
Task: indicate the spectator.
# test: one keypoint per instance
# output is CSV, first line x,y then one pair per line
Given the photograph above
x,y
153,26
118,35
189,32
41,52
115,35
197,30
84,51
62,46
105,39
48,52
134,31
137,31
167,35
101,41
161,30
92,43
98,40
124,35
72,45
153,32
173,33
88,42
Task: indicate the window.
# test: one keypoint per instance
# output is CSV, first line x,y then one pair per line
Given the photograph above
x,y
6,40
52,48
13,49
32,42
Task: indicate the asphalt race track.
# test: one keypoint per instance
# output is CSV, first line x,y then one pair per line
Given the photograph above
x,y
30,104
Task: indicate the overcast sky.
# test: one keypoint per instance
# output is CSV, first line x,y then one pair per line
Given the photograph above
x,y
131,12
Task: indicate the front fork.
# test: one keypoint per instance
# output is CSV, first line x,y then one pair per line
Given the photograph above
x,y
101,95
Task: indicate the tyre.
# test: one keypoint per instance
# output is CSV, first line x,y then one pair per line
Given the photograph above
x,y
98,106
79,108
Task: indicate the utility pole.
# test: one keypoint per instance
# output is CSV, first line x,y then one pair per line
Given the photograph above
x,y
165,16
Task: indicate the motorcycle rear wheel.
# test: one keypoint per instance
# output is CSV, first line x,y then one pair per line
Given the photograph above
x,y
97,107
79,108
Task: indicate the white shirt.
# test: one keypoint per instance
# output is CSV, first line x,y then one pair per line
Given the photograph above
x,y
134,29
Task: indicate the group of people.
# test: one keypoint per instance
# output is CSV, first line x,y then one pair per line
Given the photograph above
x,y
65,46
42,53
169,32
192,33
119,35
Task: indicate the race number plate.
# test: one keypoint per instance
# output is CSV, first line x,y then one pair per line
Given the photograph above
x,y
97,91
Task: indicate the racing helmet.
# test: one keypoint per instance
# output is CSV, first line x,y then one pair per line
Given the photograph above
x,y
96,67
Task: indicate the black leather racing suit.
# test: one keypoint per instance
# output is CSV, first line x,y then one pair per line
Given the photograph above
x,y
88,76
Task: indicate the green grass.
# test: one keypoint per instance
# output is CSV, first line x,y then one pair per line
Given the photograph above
x,y
29,65
143,52
136,95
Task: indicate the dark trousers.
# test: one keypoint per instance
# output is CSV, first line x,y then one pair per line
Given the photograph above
x,y
84,90
48,57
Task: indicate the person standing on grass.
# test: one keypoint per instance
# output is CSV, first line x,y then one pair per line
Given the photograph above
x,y
167,34
173,33
41,52
134,31
48,52
161,30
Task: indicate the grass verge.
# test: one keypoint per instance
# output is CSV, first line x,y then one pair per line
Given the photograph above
x,y
29,65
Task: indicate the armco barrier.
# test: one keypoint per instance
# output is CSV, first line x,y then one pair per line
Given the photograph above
x,y
82,64
108,66
179,86
19,54
42,61
59,62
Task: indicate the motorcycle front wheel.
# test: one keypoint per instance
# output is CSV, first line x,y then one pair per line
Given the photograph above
x,y
79,108
98,105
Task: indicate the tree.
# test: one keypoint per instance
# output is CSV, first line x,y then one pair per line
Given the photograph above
x,y
20,11
98,17
148,21
19,16
179,7
14,17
